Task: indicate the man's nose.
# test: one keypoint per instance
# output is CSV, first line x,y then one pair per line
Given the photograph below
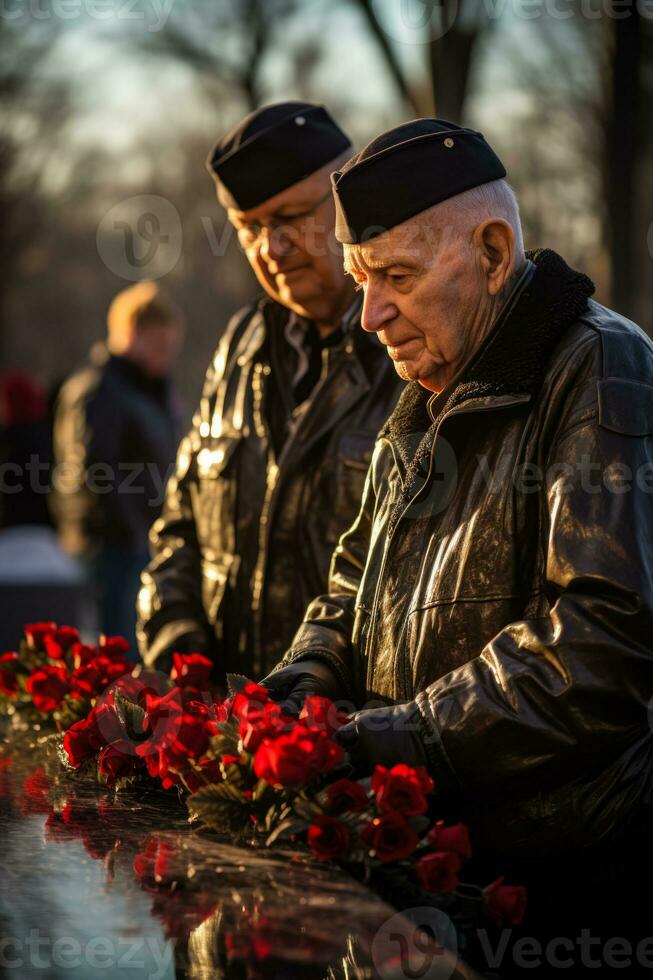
x,y
276,244
377,309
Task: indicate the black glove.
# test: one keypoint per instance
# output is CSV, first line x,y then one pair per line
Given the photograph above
x,y
383,737
291,684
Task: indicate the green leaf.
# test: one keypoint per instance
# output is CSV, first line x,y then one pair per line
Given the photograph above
x,y
132,716
237,683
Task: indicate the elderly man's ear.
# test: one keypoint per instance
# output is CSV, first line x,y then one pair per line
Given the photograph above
x,y
495,243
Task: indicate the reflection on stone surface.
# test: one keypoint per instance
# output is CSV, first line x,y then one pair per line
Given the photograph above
x,y
94,884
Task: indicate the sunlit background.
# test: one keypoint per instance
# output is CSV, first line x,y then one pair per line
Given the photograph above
x,y
105,101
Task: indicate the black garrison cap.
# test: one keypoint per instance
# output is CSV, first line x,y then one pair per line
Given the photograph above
x,y
405,171
272,149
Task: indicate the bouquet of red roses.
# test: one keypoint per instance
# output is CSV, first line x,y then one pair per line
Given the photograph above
x,y
287,779
54,677
259,775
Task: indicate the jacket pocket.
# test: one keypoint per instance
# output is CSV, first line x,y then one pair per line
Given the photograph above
x,y
352,463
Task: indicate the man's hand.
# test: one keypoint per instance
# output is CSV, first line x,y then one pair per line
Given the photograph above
x,y
291,684
383,737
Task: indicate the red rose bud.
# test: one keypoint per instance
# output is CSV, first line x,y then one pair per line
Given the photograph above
x,y
48,687
113,646
37,632
117,761
401,789
346,796
438,872
454,838
390,837
8,679
505,903
321,714
328,838
190,670
58,644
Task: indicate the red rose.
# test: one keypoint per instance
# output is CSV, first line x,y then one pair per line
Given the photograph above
x,y
104,726
401,789
113,646
8,679
256,723
438,872
117,760
48,687
58,644
76,743
328,838
164,715
86,680
390,837
190,670
250,693
345,796
191,740
322,715
505,903
454,838
295,759
37,632
82,653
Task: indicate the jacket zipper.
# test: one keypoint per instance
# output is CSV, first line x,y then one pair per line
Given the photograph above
x,y
273,483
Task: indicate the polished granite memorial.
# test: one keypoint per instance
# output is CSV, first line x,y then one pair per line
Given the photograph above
x,y
98,884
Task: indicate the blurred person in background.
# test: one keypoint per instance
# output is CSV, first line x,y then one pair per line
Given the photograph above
x,y
273,468
115,435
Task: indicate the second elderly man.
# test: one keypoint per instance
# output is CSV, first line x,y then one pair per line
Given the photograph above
x,y
273,468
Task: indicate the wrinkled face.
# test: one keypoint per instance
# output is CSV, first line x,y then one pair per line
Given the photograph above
x,y
290,244
424,288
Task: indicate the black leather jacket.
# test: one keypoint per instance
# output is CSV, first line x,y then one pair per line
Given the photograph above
x,y
500,573
115,437
246,534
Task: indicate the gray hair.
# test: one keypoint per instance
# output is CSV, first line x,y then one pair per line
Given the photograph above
x,y
494,200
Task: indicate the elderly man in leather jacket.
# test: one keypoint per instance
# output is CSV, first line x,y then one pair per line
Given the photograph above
x,y
490,611
273,468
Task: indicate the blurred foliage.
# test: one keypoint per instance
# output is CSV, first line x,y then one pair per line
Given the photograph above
x,y
96,110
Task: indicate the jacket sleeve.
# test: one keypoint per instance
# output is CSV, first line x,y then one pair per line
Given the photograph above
x,y
548,697
331,626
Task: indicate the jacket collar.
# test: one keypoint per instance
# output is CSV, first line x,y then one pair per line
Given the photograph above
x,y
548,298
